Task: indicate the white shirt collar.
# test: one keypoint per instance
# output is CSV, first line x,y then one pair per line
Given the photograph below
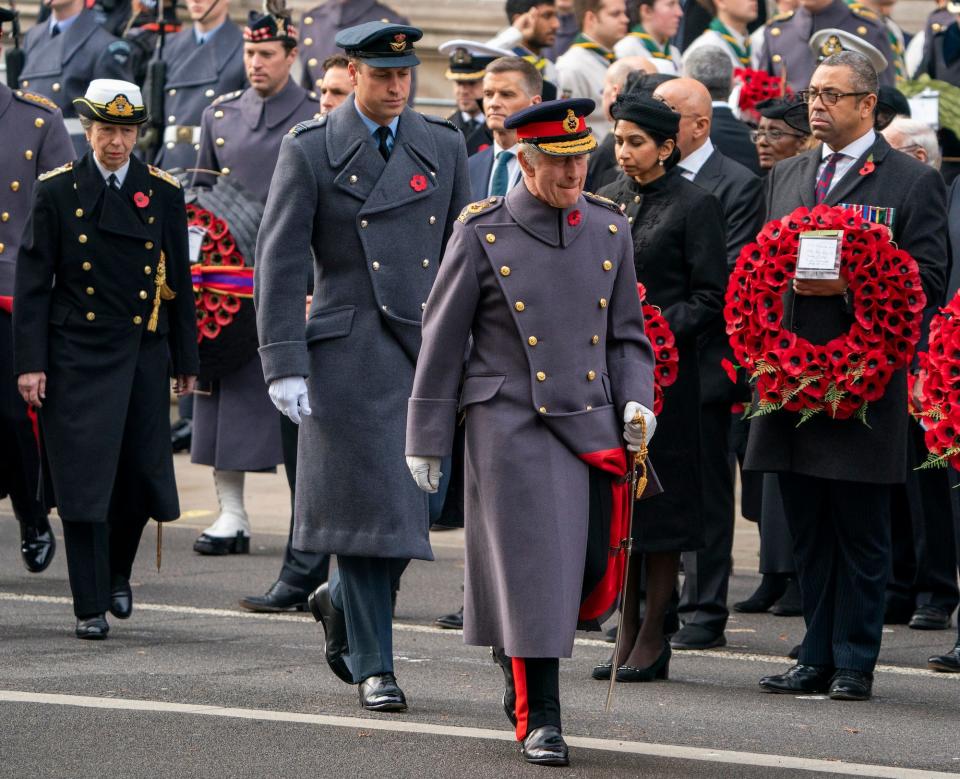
x,y
855,149
497,148
695,160
468,118
121,174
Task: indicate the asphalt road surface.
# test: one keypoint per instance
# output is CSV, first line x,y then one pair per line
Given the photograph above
x,y
192,686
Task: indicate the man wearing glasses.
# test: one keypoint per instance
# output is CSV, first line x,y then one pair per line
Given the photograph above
x,y
837,476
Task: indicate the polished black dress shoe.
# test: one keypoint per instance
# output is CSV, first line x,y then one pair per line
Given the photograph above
x,y
181,435
121,599
214,545
37,546
509,699
788,605
948,663
382,693
659,669
799,680
280,597
697,637
93,628
452,621
930,618
848,685
334,631
772,586
545,746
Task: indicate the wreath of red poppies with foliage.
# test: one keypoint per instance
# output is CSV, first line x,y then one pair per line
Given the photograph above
x,y
843,376
215,310
666,356
940,389
757,86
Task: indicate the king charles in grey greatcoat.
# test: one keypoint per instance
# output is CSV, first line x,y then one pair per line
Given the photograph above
x,y
372,201
548,291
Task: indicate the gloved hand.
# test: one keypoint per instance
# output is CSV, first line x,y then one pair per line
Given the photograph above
x,y
425,472
631,429
289,395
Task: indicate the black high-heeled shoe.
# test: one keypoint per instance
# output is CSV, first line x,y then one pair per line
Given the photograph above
x,y
659,669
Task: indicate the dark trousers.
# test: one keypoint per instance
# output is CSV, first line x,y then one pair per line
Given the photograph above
x,y
98,555
537,684
841,535
302,570
703,600
924,564
776,543
362,587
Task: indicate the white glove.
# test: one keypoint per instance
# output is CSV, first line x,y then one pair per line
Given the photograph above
x,y
631,429
425,472
289,395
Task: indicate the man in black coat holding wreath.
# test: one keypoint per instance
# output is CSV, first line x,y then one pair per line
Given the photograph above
x,y
836,475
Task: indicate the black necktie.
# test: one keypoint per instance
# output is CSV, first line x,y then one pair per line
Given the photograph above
x,y
383,133
55,31
113,182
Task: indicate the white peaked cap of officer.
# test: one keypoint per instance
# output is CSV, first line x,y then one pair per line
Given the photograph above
x,y
829,41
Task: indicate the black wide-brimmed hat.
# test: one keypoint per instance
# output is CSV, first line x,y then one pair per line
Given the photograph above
x,y
112,101
381,45
556,127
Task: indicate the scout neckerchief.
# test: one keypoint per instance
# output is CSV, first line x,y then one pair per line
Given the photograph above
x,y
741,51
540,63
651,45
583,42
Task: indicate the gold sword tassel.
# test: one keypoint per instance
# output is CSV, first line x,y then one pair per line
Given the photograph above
x,y
163,292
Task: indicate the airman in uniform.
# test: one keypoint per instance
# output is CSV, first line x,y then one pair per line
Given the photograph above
x,y
36,141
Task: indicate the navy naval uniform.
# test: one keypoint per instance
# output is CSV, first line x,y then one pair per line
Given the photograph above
x,y
60,66
943,63
35,141
786,37
196,74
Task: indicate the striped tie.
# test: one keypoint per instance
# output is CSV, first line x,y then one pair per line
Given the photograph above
x,y
826,176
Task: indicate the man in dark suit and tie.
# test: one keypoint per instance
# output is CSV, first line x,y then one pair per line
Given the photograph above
x,y
836,475
509,84
703,602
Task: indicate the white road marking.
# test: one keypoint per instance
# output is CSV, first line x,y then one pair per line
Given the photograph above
x,y
431,729
406,627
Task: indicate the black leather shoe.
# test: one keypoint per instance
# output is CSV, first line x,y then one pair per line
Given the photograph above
x,y
601,671
848,685
121,598
659,669
93,628
280,597
697,637
334,631
381,693
545,746
37,546
930,618
452,621
213,545
948,663
509,699
788,605
181,434
772,586
800,679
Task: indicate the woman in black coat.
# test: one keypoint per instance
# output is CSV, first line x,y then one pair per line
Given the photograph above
x,y
679,254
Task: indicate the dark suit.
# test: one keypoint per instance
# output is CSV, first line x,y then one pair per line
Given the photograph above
x,y
476,135
732,138
703,601
836,476
480,167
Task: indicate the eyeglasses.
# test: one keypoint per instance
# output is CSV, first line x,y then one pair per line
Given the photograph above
x,y
773,135
829,98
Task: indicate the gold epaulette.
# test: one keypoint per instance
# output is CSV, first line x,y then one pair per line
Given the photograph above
x,y
780,17
55,172
224,98
478,208
865,12
162,174
600,200
32,97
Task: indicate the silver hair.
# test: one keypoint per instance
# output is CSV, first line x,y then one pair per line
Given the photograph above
x,y
864,76
711,66
531,154
85,122
919,134
617,73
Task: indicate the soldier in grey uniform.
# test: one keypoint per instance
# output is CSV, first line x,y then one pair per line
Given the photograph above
x,y
544,282
204,61
786,50
42,144
942,62
67,51
370,192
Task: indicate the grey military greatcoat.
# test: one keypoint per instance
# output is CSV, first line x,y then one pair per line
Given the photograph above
x,y
550,298
196,75
376,231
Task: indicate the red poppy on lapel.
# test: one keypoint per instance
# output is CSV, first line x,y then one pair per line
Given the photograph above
x,y
573,218
868,167
483,147
418,183
141,200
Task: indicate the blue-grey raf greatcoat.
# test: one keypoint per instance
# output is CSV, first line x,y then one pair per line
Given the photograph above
x,y
376,231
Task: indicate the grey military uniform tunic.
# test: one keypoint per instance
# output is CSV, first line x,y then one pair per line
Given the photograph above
x,y
376,231
196,75
550,298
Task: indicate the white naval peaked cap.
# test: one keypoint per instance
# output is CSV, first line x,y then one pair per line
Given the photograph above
x,y
831,40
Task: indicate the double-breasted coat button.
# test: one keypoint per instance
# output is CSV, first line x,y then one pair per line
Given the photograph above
x,y
425,263
595,340
861,30
630,220
383,307
220,141
38,122
607,265
225,171
15,186
171,92
91,316
82,238
78,213
774,31
56,86
143,294
151,220
433,220
519,305
504,270
542,409
636,198
148,245
209,93
308,20
363,223
603,302
541,376
353,179
5,216
423,306
138,320
589,408
86,265
532,340
90,290
613,229
170,144
28,154
777,57
491,238
171,119
2,247
591,375
147,270
218,114
308,41
376,265
312,62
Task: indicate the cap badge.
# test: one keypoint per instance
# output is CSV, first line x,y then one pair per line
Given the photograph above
x,y
571,124
460,57
831,46
399,42
119,106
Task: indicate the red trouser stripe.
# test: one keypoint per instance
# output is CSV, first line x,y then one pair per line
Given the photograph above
x,y
522,707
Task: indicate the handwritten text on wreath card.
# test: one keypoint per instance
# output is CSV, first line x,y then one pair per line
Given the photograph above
x,y
818,256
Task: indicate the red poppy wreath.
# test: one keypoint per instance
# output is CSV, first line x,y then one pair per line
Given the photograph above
x,y
844,375
666,356
216,303
940,389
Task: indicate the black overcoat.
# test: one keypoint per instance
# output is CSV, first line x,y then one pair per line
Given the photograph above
x,y
84,291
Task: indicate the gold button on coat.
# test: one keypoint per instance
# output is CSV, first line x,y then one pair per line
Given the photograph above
x,y
353,179
595,340
56,86
5,216
148,245
504,270
308,20
613,228
137,320
312,62
38,122
28,154
2,247
209,93
607,265
861,30
376,265
78,213
519,305
225,171
777,58
91,316
147,270
82,238
218,114
151,220
774,31
491,238
532,340
15,186
591,375
363,223
433,220
603,302
308,41
543,409
90,290
220,141
86,266
143,294
425,263
541,376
